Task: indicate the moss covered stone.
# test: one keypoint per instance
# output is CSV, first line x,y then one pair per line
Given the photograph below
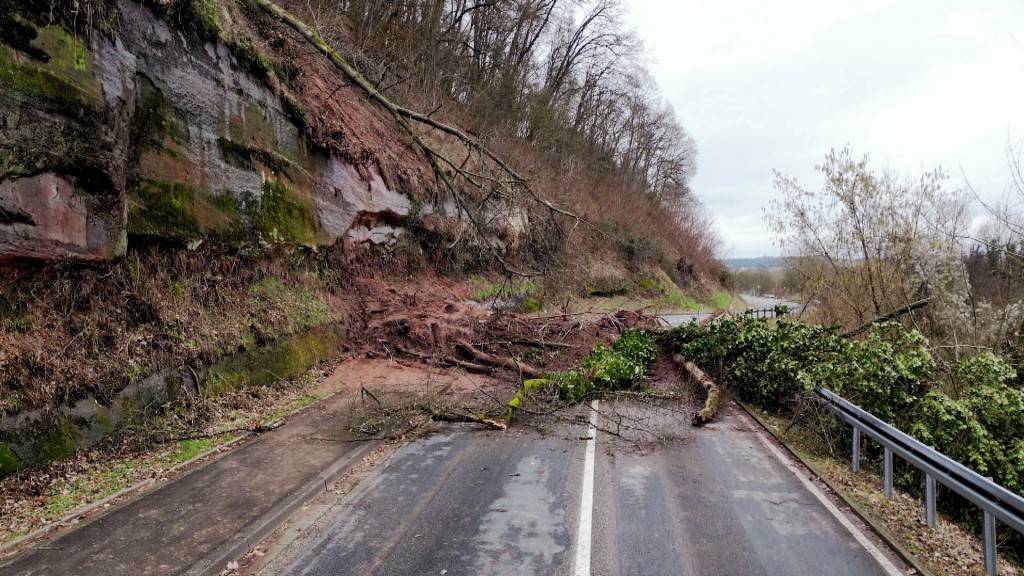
x,y
284,360
171,209
164,207
155,119
203,16
63,80
283,216
251,59
248,156
9,461
56,438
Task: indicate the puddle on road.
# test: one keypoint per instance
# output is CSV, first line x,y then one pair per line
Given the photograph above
x,y
524,530
634,479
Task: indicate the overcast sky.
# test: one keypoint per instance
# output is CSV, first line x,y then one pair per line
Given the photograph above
x,y
774,85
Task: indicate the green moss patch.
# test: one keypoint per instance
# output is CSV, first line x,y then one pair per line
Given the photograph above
x,y
63,79
251,59
171,209
281,215
277,362
9,461
155,119
202,16
56,438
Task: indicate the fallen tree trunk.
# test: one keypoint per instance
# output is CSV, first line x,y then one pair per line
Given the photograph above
x,y
716,314
710,409
449,416
501,361
890,316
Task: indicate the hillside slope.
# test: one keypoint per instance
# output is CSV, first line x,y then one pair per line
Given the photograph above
x,y
133,126
193,198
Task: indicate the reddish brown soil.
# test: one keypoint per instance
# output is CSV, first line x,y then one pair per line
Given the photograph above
x,y
411,330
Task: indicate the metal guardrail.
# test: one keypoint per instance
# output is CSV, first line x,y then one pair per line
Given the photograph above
x,y
995,501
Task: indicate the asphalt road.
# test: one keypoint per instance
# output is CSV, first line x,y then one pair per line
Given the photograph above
x,y
758,302
666,500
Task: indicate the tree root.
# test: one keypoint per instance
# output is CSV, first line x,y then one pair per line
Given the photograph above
x,y
500,361
539,344
446,360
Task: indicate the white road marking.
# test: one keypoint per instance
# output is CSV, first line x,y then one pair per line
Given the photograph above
x,y
858,535
583,534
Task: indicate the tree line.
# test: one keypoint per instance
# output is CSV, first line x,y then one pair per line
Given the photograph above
x,y
558,83
868,242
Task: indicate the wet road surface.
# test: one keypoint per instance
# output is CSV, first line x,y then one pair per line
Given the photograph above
x,y
667,500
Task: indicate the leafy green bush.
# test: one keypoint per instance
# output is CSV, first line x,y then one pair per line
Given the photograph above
x,y
623,366
762,363
950,428
889,374
886,373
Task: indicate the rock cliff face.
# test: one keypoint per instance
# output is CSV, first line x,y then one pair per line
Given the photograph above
x,y
134,127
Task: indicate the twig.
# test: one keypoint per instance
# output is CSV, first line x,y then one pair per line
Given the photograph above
x,y
364,392
540,344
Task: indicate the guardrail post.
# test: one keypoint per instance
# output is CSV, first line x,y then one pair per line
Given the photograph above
x,y
887,474
929,499
990,544
855,466
996,502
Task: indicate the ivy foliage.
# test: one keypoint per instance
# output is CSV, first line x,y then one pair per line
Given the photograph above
x,y
622,366
889,373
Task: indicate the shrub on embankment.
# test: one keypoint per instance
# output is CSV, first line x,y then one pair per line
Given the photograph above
x,y
889,373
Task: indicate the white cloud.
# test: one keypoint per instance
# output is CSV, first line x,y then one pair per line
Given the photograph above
x,y
765,86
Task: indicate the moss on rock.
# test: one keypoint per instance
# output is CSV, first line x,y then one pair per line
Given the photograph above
x,y
155,119
9,461
290,358
248,156
58,437
283,216
63,81
172,209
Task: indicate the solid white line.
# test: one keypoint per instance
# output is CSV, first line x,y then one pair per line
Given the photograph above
x,y
858,535
583,534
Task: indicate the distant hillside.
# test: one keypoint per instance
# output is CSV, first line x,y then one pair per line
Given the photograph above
x,y
766,262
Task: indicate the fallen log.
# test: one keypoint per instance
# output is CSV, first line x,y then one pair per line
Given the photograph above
x,y
710,409
500,361
716,314
449,416
890,316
